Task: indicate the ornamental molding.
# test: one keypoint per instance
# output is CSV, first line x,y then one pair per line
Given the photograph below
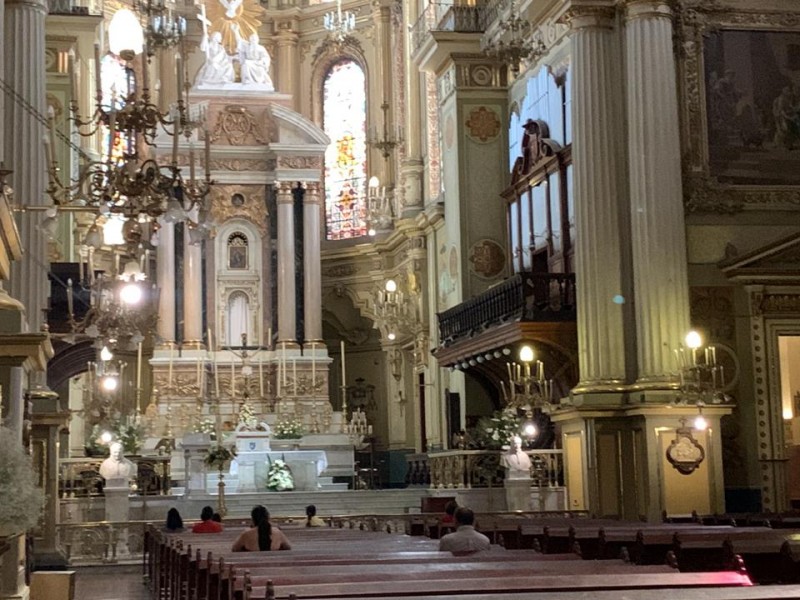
x,y
483,124
253,209
704,193
237,125
775,304
300,162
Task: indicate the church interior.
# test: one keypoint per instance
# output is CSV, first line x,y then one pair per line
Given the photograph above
x,y
534,256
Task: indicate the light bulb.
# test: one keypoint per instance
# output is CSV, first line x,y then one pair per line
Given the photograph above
x,y
700,423
374,182
109,383
529,429
526,354
693,340
125,34
105,354
371,232
130,293
106,437
391,335
391,285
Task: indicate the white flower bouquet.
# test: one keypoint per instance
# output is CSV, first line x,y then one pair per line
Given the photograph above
x,y
288,429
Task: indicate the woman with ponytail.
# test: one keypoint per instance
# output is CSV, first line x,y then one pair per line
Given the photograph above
x,y
263,536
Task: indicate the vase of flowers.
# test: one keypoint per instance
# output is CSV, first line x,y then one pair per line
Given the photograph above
x,y
219,457
495,432
288,429
21,501
279,476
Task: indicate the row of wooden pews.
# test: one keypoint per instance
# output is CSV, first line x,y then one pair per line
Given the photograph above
x,y
344,564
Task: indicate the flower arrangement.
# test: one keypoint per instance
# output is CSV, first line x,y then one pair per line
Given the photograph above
x,y
130,434
288,429
247,418
218,456
279,476
21,500
495,432
205,426
94,445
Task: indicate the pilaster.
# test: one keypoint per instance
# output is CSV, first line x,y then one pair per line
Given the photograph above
x,y
286,263
312,275
165,273
192,287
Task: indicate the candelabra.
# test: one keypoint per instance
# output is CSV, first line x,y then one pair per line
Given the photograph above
x,y
528,390
162,29
339,23
513,44
395,311
122,181
388,141
380,207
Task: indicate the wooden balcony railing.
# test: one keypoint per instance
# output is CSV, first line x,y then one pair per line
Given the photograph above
x,y
523,297
453,469
444,16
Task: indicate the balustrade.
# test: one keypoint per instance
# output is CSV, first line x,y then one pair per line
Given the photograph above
x,y
443,16
80,477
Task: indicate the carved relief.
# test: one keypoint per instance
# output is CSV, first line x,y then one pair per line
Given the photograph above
x,y
685,453
776,304
483,124
340,271
253,208
300,162
238,125
536,146
349,45
242,164
487,259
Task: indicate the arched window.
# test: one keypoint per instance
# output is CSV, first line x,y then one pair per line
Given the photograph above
x,y
345,118
237,251
238,318
116,80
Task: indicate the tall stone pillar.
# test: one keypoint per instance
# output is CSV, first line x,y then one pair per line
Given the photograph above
x,y
286,285
192,288
412,169
288,66
24,47
165,274
599,197
312,276
658,234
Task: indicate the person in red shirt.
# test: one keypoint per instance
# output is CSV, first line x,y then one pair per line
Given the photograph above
x,y
207,524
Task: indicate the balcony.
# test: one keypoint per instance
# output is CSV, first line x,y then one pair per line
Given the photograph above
x,y
443,16
525,297
75,7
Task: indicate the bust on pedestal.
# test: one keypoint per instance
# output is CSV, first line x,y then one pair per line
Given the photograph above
x,y
518,476
118,472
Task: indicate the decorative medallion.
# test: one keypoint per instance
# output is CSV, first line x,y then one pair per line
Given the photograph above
x,y
481,75
238,124
487,259
685,453
483,124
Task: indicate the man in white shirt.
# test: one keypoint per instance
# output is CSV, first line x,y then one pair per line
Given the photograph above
x,y
465,540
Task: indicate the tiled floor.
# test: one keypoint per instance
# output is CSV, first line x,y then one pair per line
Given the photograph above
x,y
110,583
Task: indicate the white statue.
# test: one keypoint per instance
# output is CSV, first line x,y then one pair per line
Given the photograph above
x,y
516,461
254,60
218,68
231,7
116,466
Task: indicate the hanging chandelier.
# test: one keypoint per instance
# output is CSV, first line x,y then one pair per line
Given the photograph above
x,y
123,181
528,390
380,207
162,28
514,43
339,23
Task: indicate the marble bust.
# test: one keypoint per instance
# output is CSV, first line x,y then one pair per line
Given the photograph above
x,y
516,461
116,468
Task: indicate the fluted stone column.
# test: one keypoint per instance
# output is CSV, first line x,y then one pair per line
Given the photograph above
x,y
312,276
658,232
24,46
288,81
192,289
599,197
165,276
286,285
412,169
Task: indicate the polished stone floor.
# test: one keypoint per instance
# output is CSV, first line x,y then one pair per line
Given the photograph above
x,y
110,583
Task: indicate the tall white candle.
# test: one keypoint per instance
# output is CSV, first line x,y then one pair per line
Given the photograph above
x,y
216,378
171,350
283,362
294,376
261,377
97,81
139,368
233,380
344,371
314,369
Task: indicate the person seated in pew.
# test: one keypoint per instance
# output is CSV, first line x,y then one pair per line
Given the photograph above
x,y
207,524
465,540
449,513
216,518
263,536
312,520
174,522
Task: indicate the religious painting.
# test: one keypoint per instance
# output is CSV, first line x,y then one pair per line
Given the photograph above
x,y
448,275
752,81
345,115
237,251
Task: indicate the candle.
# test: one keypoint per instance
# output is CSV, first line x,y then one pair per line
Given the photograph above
x,y
179,69
216,378
139,368
198,372
175,136
261,377
191,162
207,166
344,372
313,369
171,349
269,338
283,362
69,296
294,376
233,380
97,82
112,130
145,69
73,76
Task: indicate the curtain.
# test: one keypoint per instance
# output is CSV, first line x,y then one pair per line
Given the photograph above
x,y
238,319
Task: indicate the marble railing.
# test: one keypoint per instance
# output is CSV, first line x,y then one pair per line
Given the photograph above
x,y
101,542
80,477
479,468
446,16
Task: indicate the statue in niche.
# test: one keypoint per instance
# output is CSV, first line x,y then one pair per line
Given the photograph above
x,y
254,60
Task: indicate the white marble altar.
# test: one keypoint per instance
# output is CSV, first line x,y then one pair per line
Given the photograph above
x,y
249,473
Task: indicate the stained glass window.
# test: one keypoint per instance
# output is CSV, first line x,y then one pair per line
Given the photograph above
x,y
345,116
117,83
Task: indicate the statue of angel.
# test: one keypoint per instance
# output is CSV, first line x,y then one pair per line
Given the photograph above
x,y
231,7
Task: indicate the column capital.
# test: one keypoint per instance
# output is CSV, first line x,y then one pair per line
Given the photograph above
x,y
284,189
38,5
643,9
594,15
312,194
